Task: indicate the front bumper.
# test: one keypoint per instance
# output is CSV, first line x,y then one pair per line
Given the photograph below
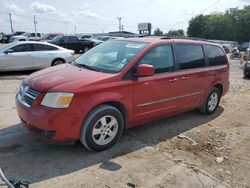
x,y
50,124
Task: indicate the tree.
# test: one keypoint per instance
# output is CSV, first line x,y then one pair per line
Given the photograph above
x,y
158,32
177,33
196,26
233,25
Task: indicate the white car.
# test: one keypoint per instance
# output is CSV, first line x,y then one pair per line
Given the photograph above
x,y
29,55
26,37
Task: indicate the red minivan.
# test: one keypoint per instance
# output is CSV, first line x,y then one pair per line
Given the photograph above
x,y
120,84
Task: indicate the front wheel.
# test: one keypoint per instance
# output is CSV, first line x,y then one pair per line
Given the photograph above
x,y
102,128
85,49
57,62
212,101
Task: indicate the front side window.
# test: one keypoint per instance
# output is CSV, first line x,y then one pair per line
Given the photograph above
x,y
111,56
215,55
32,35
73,39
161,58
57,39
65,39
190,56
21,48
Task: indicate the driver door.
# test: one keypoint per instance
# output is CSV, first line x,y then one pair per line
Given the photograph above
x,y
154,95
18,58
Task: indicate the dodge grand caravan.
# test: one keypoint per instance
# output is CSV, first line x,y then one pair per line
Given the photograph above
x,y
120,84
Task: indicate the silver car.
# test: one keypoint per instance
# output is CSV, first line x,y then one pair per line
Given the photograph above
x,y
29,55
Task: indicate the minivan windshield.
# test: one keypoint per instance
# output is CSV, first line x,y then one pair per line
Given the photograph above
x,y
111,56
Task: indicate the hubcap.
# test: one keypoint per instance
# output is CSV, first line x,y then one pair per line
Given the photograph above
x,y
105,130
58,62
86,49
213,101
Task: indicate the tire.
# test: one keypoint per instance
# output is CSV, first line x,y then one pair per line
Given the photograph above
x,y
244,74
212,101
102,128
58,61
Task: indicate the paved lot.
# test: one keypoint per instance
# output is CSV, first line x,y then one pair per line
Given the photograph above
x,y
175,152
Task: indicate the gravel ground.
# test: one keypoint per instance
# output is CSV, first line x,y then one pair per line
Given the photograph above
x,y
188,150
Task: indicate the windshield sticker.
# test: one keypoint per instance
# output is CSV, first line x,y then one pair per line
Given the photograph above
x,y
133,46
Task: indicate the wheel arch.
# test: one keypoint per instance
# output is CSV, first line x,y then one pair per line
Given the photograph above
x,y
220,87
118,105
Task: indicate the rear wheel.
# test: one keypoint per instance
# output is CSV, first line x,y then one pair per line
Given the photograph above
x,y
212,101
57,62
102,128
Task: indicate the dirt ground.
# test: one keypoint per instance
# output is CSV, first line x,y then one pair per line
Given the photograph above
x,y
188,150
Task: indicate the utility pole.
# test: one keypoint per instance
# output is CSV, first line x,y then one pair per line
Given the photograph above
x,y
66,24
120,23
75,30
35,22
11,26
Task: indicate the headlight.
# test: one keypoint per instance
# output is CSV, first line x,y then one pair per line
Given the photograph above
x,y
248,64
57,99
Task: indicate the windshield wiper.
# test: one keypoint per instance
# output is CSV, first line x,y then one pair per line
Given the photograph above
x,y
85,66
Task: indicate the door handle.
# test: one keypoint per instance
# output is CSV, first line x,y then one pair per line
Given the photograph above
x,y
173,80
184,77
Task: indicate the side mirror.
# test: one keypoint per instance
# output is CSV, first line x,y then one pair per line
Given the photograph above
x,y
9,51
144,70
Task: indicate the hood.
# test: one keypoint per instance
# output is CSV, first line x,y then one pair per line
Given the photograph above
x,y
65,78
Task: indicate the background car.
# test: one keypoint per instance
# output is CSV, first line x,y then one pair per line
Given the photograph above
x,y
99,39
32,56
6,38
73,43
82,37
50,36
27,37
1,36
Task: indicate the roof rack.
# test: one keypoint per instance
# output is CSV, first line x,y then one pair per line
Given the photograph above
x,y
176,37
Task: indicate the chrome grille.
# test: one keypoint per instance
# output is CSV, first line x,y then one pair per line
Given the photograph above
x,y
27,95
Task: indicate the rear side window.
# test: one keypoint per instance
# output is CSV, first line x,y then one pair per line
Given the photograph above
x,y
161,57
43,47
190,56
215,55
21,48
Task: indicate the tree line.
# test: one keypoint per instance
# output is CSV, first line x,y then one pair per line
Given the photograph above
x,y
233,25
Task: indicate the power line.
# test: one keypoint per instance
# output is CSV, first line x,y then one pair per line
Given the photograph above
x,y
204,10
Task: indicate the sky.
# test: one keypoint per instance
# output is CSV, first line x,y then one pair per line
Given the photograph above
x,y
97,16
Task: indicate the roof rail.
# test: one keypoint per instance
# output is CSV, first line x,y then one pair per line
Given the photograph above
x,y
166,37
